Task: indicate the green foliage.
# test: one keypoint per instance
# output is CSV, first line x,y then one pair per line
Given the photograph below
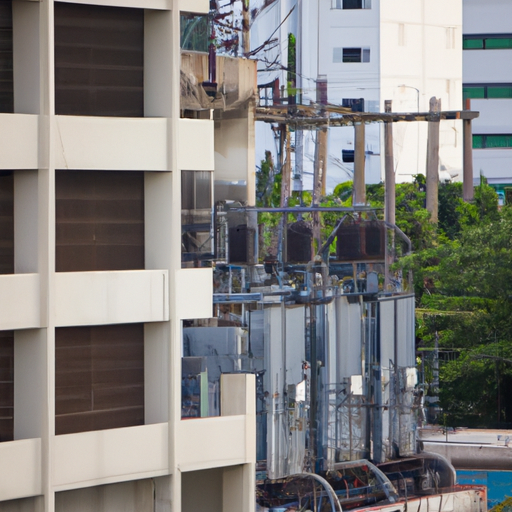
x,y
292,66
268,184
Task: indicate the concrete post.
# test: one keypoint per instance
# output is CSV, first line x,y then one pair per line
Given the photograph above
x,y
389,164
433,160
359,194
467,179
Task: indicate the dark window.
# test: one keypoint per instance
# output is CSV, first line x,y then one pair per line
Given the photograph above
x,y
6,78
351,54
347,155
487,42
196,214
355,104
351,4
6,385
99,54
99,220
488,141
356,55
6,223
99,377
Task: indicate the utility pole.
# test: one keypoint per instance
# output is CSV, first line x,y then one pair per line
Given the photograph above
x,y
246,39
433,159
320,156
319,178
389,165
359,194
285,165
467,180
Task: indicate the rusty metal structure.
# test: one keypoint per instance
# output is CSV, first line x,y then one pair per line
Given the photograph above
x,y
328,330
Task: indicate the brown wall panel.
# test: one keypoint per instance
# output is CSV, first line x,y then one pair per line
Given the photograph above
x,y
6,385
6,223
99,220
6,76
99,377
99,54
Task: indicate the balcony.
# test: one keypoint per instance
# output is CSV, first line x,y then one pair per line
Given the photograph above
x,y
20,469
92,298
233,433
107,456
127,144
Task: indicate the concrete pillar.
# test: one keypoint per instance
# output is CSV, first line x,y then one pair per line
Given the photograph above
x,y
467,176
389,165
433,160
359,194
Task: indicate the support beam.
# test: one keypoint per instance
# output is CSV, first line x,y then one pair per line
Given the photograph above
x,y
359,194
433,160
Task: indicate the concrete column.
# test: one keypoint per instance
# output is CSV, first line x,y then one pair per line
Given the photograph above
x,y
389,165
359,194
26,53
467,180
433,160
285,165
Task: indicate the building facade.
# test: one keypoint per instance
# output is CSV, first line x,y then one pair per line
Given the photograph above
x,y
98,157
370,51
488,87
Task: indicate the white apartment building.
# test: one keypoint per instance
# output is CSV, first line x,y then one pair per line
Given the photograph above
x,y
92,291
488,86
376,50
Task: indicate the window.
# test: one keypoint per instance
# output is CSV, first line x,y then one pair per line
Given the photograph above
x,y
6,77
194,32
196,190
196,216
489,141
99,220
6,223
487,91
347,155
6,385
351,4
487,42
356,104
351,54
99,377
99,53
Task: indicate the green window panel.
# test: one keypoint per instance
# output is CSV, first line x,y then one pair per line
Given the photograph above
x,y
473,44
486,42
498,43
499,92
478,141
474,92
492,141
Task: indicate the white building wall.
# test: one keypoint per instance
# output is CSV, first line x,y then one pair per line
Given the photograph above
x,y
415,53
487,67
